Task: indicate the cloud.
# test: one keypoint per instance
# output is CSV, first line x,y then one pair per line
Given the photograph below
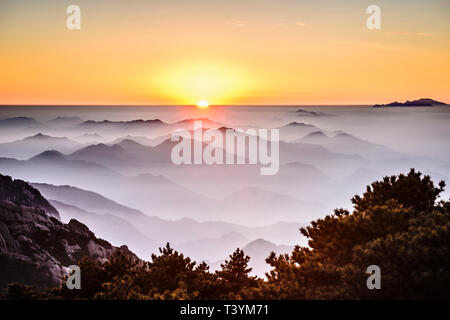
x,y
302,24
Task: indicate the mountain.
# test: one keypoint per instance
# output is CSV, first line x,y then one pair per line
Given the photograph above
x,y
303,181
126,155
310,113
256,204
87,200
259,250
31,146
251,196
212,249
19,192
295,130
424,102
64,122
145,132
116,230
314,137
150,193
347,144
123,124
331,163
53,167
161,230
49,155
129,145
36,248
363,176
89,138
104,154
131,157
18,122
188,124
141,140
307,112
138,127
297,170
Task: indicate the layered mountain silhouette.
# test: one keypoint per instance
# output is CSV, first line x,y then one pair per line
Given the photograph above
x,y
64,122
141,140
176,231
149,192
18,122
116,230
260,205
296,130
209,241
348,144
213,249
53,167
35,247
138,197
31,146
154,127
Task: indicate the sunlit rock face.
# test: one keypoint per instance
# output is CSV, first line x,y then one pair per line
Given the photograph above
x,y
35,247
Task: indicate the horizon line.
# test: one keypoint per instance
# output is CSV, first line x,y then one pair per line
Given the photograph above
x,y
181,105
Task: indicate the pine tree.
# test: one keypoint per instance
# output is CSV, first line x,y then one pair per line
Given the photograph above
x,y
235,273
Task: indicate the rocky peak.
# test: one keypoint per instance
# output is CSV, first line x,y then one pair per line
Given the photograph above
x,y
35,247
19,192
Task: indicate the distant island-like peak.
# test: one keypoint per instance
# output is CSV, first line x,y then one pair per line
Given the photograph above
x,y
425,102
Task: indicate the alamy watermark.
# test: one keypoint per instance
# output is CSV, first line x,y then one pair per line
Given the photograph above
x,y
73,22
74,279
228,146
374,280
374,20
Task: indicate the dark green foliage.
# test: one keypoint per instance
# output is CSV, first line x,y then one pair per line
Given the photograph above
x,y
411,191
18,291
234,275
396,225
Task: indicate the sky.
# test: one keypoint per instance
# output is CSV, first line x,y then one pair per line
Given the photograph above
x,y
242,52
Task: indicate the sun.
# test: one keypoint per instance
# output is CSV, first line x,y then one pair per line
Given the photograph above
x,y
203,104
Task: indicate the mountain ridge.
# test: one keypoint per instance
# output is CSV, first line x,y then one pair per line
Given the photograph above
x,y
423,102
26,230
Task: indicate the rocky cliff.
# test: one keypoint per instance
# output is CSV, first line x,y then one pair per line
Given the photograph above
x,y
35,247
18,191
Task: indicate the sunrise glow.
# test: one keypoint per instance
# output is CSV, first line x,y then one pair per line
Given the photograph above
x,y
216,81
203,104
300,52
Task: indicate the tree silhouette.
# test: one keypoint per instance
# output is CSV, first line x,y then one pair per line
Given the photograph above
x,y
396,225
235,273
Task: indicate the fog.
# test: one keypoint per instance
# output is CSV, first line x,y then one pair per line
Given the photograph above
x,y
121,155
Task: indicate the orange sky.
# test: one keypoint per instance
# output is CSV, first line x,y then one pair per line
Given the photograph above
x,y
226,52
